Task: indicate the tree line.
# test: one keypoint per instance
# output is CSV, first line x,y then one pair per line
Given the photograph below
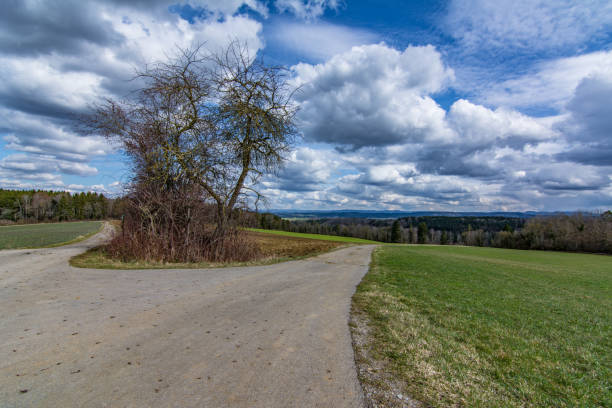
x,y
564,232
29,206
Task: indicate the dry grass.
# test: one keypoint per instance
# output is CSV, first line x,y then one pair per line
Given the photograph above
x,y
274,248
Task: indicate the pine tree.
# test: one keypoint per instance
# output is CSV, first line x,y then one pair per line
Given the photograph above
x,y
396,231
444,238
422,233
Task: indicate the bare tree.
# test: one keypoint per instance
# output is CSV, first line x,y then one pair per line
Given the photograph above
x,y
254,121
203,129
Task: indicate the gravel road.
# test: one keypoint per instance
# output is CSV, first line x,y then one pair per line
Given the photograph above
x,y
263,336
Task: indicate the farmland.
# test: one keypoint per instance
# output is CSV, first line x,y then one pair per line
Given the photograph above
x,y
273,247
321,237
462,326
44,235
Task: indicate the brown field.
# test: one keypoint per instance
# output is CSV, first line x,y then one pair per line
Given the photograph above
x,y
276,246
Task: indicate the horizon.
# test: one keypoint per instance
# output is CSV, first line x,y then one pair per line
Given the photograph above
x,y
444,106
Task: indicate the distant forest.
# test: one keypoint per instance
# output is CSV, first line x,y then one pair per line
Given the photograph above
x,y
582,232
26,206
563,232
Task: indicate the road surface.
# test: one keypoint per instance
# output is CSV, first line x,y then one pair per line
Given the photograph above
x,y
261,336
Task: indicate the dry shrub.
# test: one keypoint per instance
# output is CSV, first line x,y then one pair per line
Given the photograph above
x,y
141,245
177,227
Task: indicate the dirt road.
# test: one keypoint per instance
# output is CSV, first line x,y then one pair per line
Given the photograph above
x,y
266,336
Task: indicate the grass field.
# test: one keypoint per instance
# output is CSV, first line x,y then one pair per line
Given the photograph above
x,y
484,327
274,248
45,235
315,236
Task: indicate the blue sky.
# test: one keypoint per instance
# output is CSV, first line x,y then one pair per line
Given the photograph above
x,y
414,105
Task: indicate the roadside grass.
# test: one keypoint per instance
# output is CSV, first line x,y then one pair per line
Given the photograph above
x,y
274,249
484,327
46,235
315,236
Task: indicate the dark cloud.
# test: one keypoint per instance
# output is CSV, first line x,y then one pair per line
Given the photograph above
x,y
589,129
306,170
395,146
568,177
60,26
454,161
57,58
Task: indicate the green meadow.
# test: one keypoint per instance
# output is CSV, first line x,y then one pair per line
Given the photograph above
x,y
316,236
45,235
484,327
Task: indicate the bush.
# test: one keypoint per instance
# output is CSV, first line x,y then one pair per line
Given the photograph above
x,y
177,227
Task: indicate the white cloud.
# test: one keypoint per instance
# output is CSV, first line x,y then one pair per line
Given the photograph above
x,y
373,95
532,25
27,165
550,84
478,125
396,147
317,41
306,169
402,150
35,85
229,7
33,134
306,9
147,39
588,125
55,75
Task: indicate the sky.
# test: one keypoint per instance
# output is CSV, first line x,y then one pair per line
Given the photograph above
x,y
458,105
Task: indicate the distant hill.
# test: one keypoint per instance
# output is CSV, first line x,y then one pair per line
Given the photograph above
x,y
317,214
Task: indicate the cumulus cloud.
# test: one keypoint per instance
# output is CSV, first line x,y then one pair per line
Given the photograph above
x,y
57,58
306,169
481,141
375,134
588,128
62,27
394,187
32,85
30,166
372,95
377,106
43,136
476,125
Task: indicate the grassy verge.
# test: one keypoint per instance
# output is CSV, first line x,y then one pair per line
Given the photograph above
x,y
315,236
483,327
274,248
46,235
